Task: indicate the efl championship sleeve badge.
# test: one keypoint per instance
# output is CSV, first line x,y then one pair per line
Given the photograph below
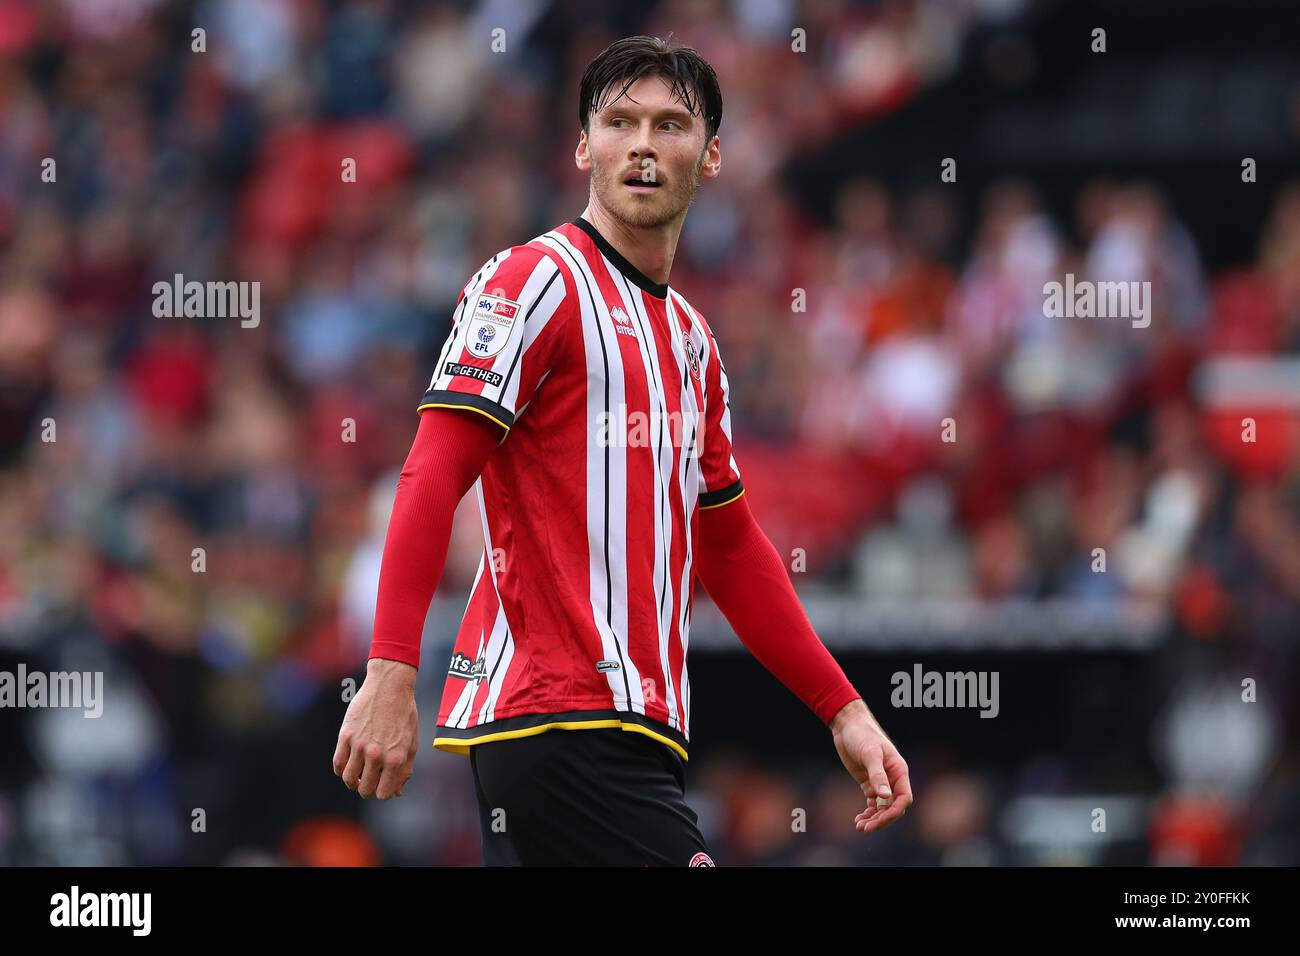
x,y
490,326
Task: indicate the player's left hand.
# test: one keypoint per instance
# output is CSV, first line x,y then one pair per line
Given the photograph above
x,y
875,763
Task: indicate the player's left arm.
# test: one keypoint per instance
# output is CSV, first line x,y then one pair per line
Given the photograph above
x,y
746,578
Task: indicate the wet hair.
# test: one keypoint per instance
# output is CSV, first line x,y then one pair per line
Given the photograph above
x,y
625,61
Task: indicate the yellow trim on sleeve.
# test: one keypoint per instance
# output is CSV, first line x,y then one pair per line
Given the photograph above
x,y
721,503
468,408
458,745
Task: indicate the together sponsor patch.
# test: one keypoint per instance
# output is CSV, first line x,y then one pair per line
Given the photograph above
x,y
473,371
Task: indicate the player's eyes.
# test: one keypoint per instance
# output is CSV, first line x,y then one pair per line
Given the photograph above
x,y
617,122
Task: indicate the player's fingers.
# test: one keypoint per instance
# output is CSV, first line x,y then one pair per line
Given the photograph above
x,y
401,786
352,771
878,823
877,784
897,807
370,776
407,770
390,777
902,785
902,791
875,821
341,752
875,808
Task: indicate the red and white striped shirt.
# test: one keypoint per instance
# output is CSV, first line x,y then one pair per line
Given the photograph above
x,y
615,400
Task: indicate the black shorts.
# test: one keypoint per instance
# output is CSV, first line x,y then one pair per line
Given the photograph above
x,y
602,797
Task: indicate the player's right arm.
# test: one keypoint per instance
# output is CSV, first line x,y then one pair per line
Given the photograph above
x,y
505,333
380,735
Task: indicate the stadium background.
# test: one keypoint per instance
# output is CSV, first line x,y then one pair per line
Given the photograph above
x,y
1119,690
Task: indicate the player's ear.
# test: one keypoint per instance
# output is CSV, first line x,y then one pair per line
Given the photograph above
x,y
711,164
581,157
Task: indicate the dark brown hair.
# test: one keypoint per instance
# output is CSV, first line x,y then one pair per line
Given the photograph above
x,y
628,60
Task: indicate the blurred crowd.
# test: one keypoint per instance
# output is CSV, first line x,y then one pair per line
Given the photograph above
x,y
197,508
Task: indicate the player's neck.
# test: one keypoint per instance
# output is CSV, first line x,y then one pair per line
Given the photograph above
x,y
650,250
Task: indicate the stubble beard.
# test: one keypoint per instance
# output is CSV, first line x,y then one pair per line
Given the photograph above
x,y
649,212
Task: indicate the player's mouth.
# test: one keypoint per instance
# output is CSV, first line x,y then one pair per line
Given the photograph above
x,y
639,185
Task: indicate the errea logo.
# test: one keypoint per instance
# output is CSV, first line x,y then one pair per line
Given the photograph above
x,y
622,324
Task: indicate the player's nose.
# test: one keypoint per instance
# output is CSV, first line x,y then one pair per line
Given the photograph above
x,y
643,145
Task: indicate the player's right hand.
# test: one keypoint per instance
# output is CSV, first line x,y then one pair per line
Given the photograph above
x,y
380,735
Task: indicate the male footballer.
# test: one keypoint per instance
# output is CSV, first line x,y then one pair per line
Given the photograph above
x,y
585,402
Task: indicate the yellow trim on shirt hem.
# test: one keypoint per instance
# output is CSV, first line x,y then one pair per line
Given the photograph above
x,y
458,745
721,503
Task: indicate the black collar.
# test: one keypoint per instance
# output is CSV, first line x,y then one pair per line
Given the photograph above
x,y
657,289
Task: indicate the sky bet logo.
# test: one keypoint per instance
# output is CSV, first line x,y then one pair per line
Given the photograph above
x,y
506,310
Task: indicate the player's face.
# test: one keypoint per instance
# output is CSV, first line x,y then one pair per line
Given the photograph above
x,y
647,155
